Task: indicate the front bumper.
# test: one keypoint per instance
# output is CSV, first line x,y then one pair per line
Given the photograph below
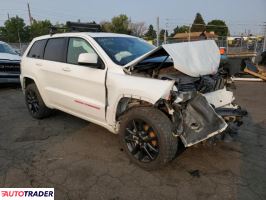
x,y
207,115
9,77
200,121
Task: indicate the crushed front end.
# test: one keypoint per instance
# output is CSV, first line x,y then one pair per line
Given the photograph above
x,y
200,103
199,113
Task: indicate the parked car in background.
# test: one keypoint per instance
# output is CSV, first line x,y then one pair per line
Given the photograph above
x,y
151,97
9,64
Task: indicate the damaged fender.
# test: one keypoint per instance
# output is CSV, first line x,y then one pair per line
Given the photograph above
x,y
119,85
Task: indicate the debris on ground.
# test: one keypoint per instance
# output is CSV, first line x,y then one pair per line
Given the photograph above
x,y
256,71
195,173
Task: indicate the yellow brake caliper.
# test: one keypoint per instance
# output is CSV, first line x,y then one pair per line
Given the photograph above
x,y
151,134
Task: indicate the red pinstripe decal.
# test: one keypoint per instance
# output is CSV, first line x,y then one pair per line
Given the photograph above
x,y
86,104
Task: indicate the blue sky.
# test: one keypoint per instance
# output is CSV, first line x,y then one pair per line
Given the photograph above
x,y
240,15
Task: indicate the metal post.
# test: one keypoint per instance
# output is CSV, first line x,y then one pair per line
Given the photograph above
x,y
189,31
19,40
255,45
264,43
158,31
227,49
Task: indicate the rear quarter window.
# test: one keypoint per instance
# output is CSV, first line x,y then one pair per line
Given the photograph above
x,y
55,50
37,49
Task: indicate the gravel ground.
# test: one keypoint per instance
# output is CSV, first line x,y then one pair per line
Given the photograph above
x,y
84,161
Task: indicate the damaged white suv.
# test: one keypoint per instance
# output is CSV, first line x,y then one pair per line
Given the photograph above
x,y
151,97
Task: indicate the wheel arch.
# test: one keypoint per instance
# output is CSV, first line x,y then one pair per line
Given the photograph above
x,y
26,80
125,103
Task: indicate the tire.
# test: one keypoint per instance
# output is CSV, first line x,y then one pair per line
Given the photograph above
x,y
153,121
35,104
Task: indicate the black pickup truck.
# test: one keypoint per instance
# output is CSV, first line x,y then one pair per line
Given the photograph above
x,y
9,64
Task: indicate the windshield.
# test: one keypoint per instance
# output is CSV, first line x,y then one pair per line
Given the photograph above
x,y
5,48
123,50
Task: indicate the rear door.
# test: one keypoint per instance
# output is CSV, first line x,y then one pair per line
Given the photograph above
x,y
51,75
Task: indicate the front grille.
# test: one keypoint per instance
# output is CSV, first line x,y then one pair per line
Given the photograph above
x,y
10,67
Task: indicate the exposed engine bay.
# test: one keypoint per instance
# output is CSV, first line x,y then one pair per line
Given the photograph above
x,y
200,106
183,82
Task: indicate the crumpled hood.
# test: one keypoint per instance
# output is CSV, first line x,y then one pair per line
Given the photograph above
x,y
8,56
192,58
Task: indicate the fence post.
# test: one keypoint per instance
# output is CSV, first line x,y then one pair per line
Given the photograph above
x,y
227,49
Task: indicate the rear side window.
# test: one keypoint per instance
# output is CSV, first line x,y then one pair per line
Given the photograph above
x,y
55,50
37,49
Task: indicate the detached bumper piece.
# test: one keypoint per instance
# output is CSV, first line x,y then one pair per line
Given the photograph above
x,y
233,117
200,121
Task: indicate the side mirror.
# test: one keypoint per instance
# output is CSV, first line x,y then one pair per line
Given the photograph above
x,y
88,59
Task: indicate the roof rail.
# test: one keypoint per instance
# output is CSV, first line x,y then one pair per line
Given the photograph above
x,y
76,27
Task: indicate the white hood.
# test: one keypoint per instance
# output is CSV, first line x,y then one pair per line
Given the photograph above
x,y
8,56
192,58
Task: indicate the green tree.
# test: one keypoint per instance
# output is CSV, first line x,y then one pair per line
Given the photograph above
x,y
15,30
151,33
219,27
120,24
198,24
175,31
106,26
39,28
183,29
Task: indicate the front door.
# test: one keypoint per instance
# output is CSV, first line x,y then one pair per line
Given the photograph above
x,y
79,89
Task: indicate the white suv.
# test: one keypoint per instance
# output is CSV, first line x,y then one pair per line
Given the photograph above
x,y
151,97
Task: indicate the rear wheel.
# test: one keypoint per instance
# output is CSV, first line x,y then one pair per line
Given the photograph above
x,y
146,135
35,104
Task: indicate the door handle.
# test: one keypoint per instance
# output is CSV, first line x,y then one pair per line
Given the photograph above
x,y
66,69
38,64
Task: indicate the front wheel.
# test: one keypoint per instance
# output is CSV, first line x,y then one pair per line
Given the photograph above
x,y
35,104
146,135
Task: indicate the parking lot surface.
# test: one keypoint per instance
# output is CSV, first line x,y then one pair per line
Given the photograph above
x,y
84,161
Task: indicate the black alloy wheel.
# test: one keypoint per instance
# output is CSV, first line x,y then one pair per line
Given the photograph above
x,y
141,140
33,102
145,133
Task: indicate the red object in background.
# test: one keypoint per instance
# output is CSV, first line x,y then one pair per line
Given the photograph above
x,y
222,50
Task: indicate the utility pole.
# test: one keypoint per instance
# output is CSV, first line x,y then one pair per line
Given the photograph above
x,y
30,17
165,31
158,31
189,31
264,43
8,16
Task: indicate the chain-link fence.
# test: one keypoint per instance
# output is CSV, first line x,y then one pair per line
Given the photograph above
x,y
233,45
19,47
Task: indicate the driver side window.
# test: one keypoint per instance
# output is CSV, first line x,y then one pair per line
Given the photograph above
x,y
76,46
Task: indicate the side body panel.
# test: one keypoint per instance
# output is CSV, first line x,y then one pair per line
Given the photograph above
x,y
122,85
